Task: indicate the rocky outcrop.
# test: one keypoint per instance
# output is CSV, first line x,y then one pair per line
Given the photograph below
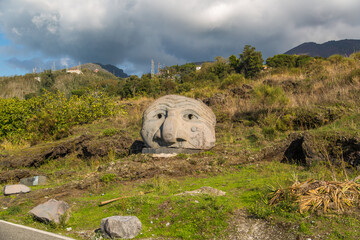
x,y
301,150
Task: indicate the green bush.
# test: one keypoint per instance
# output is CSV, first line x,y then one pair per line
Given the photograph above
x,y
108,177
110,132
50,115
232,80
268,96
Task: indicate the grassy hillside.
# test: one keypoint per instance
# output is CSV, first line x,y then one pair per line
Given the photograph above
x,y
276,130
69,83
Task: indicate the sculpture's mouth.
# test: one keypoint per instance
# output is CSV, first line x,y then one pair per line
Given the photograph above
x,y
179,143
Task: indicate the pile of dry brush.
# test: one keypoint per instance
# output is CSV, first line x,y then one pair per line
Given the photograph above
x,y
313,195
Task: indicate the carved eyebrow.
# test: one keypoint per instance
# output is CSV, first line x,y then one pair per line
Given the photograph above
x,y
190,111
173,101
155,112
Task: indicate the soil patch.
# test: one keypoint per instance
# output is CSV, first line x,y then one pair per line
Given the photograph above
x,y
245,227
85,146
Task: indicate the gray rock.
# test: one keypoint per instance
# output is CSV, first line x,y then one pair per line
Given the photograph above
x,y
178,122
204,190
15,189
51,211
126,227
34,181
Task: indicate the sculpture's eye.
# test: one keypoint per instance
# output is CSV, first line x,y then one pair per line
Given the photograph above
x,y
190,116
160,116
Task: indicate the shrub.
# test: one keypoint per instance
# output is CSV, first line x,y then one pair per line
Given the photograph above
x,y
50,115
110,132
108,177
232,80
268,96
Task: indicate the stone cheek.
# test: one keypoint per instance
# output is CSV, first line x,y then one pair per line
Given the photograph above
x,y
178,122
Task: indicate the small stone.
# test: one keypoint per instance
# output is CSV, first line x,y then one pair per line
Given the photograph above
x,y
15,189
204,190
126,227
34,181
51,211
68,229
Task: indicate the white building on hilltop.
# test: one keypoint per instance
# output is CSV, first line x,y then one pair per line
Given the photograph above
x,y
77,71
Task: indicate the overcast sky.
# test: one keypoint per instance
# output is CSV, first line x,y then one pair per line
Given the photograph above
x,y
129,33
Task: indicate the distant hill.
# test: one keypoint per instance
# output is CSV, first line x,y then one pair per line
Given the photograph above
x,y
104,68
343,47
114,70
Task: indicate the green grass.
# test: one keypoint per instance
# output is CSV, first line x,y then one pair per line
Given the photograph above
x,y
163,213
349,124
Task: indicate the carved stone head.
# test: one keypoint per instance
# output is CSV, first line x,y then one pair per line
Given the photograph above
x,y
178,122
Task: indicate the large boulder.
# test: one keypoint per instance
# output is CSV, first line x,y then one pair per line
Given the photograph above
x,y
126,227
51,211
15,189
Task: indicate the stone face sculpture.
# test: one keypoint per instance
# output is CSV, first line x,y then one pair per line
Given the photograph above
x,y
174,121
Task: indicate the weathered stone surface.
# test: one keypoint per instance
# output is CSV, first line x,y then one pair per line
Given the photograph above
x,y
126,227
51,211
175,121
34,181
15,189
166,150
204,190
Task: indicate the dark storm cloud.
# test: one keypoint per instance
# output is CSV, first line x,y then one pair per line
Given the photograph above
x,y
172,32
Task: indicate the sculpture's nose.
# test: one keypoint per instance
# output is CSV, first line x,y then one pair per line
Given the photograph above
x,y
169,129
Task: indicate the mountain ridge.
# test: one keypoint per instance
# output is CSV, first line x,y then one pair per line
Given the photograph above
x,y
343,47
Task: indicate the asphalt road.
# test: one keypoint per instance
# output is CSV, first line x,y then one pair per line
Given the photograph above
x,y
11,231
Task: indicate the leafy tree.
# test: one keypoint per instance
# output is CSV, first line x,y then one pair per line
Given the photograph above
x,y
234,62
250,61
282,61
47,79
220,67
302,60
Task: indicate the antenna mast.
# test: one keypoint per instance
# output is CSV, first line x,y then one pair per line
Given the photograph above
x,y
152,68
